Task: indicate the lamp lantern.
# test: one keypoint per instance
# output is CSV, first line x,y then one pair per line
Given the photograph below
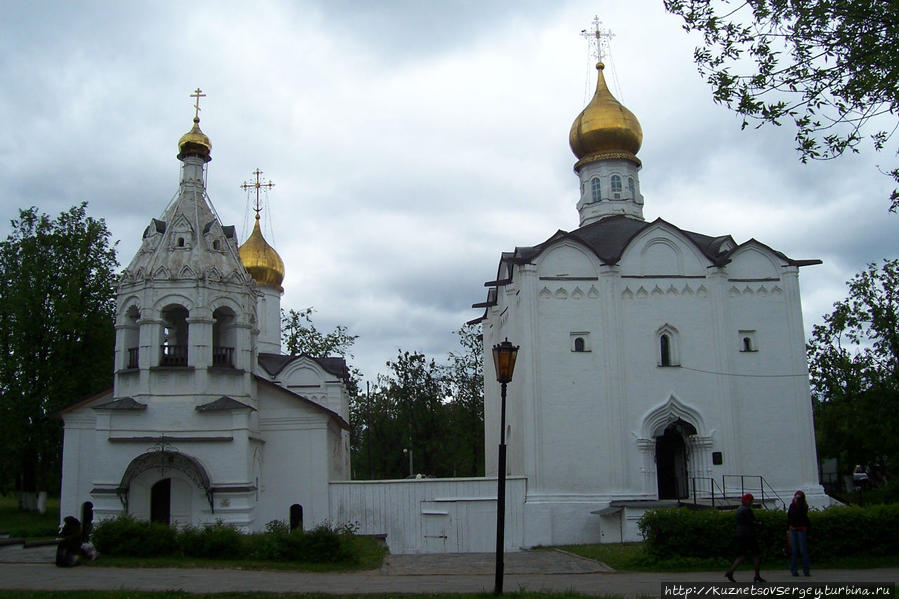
x,y
504,355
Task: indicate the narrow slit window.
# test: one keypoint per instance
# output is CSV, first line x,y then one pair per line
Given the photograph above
x,y
665,350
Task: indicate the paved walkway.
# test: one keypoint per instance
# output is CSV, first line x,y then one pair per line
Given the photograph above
x,y
443,573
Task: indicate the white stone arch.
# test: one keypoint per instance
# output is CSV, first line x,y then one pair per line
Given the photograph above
x,y
225,301
173,299
753,260
661,255
697,446
686,257
128,334
567,259
131,301
174,331
303,371
656,419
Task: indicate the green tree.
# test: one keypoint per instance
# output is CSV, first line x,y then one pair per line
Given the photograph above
x,y
301,337
465,407
57,311
434,410
854,367
829,66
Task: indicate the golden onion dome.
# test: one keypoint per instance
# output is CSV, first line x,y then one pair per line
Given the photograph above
x,y
605,128
195,142
261,260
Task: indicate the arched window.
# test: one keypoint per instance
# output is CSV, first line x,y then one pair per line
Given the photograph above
x,y
631,187
594,185
665,350
174,336
579,344
132,338
296,517
747,344
224,338
667,344
616,185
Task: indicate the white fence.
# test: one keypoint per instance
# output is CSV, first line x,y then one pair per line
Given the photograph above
x,y
431,515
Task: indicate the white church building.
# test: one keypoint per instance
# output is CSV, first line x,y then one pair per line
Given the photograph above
x,y
655,363
656,366
206,419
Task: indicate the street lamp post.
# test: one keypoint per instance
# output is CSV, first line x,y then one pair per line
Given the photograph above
x,y
409,452
504,355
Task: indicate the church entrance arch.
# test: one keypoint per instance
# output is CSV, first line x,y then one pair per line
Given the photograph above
x,y
161,501
675,449
671,460
159,485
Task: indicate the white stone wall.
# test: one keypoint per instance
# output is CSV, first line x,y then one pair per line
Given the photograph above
x,y
581,426
448,515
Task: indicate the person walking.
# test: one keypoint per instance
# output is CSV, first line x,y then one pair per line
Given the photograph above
x,y
747,540
797,524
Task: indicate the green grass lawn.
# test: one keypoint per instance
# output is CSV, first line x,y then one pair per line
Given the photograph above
x,y
30,525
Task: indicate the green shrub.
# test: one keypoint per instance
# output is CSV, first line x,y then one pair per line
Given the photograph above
x,y
834,532
322,544
126,536
215,541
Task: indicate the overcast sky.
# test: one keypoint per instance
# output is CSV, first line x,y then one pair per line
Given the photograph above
x,y
410,143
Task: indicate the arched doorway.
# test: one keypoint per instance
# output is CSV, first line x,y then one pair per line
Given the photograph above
x,y
671,460
161,501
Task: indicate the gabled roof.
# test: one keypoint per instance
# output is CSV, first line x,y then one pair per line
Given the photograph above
x,y
125,403
609,238
331,413
275,363
81,402
224,403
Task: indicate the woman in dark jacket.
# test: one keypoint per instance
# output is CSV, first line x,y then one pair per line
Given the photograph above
x,y
746,539
797,524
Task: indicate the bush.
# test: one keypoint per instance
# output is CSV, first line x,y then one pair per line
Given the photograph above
x,y
319,545
834,532
215,541
126,536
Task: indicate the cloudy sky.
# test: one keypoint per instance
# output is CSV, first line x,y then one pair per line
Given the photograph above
x,y
410,143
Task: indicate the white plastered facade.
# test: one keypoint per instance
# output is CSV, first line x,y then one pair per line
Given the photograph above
x,y
206,421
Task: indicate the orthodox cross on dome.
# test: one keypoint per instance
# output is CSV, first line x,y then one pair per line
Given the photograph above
x,y
598,38
257,186
198,93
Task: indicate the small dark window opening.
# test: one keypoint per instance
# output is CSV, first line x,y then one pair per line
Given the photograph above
x,y
296,517
717,458
579,344
215,244
180,242
747,344
87,520
665,350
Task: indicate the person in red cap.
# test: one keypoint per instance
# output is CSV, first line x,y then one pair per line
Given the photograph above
x,y
747,541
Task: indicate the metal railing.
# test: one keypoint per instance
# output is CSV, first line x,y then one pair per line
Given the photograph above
x,y
223,356
133,356
173,355
747,485
705,487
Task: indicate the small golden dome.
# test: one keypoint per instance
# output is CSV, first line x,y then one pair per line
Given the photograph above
x,y
195,142
261,260
605,128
